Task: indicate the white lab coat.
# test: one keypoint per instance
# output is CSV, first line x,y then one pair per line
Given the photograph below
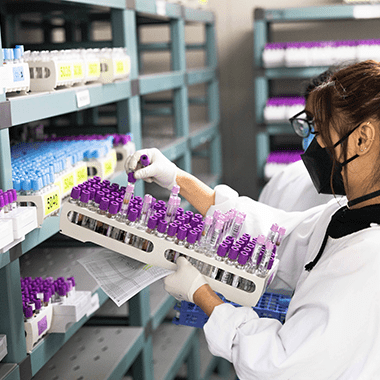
x,y
291,189
332,328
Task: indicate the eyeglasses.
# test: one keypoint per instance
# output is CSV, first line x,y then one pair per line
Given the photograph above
x,y
302,126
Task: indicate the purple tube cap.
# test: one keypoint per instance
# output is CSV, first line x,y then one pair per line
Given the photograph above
x,y
172,229
182,232
75,192
28,312
234,252
192,236
104,203
113,207
132,215
131,177
85,196
144,159
162,226
243,258
152,222
222,250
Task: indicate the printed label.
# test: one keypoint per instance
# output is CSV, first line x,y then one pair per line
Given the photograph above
x,y
78,70
93,69
83,98
68,182
80,175
42,325
108,167
52,202
65,72
161,7
121,66
18,74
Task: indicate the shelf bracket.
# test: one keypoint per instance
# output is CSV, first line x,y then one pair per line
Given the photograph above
x,y
5,115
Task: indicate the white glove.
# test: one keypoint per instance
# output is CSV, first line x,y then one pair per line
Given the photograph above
x,y
160,170
183,283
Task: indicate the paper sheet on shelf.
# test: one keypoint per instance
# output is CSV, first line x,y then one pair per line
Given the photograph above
x,y
119,276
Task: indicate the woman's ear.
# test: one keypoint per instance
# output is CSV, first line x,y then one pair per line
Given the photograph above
x,y
366,137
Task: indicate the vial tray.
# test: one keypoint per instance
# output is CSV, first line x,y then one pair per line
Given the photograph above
x,y
156,256
270,305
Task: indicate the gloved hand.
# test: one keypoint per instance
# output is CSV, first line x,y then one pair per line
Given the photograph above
x,y
183,283
160,170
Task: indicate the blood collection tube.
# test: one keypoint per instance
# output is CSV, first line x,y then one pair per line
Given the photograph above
x,y
241,264
263,266
226,277
97,225
237,225
151,228
144,159
280,235
162,225
260,241
220,256
216,236
111,214
74,199
272,233
83,202
129,238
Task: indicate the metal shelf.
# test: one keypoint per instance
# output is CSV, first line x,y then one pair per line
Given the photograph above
x,y
36,106
9,371
95,353
172,345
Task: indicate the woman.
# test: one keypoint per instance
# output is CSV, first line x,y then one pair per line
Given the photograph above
x,y
329,256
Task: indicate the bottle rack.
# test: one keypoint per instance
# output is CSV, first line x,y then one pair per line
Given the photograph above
x,y
264,22
157,255
126,18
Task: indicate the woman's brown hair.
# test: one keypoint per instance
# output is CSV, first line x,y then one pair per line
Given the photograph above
x,y
349,97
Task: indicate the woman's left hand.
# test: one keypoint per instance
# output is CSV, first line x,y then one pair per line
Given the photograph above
x,y
184,282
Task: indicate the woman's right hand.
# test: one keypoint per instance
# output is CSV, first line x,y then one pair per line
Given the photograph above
x,y
160,170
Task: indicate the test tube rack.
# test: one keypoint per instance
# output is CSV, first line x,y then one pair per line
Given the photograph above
x,y
156,257
15,77
15,225
47,204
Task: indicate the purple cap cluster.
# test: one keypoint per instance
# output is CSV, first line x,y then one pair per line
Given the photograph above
x,y
37,291
284,157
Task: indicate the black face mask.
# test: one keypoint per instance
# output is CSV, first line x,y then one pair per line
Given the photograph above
x,y
319,164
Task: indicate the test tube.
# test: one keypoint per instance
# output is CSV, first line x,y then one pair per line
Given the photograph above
x,y
272,233
226,277
280,235
220,256
263,266
260,241
151,228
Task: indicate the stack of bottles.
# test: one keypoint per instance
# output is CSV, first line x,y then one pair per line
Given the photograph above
x,y
218,236
282,108
39,293
278,160
319,53
15,72
57,68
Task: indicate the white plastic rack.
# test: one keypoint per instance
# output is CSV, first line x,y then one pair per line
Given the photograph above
x,y
157,255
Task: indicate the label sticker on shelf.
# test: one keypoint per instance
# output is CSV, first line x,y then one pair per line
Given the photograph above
x,y
93,69
80,174
65,72
161,7
18,74
78,70
83,98
108,167
68,182
52,202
